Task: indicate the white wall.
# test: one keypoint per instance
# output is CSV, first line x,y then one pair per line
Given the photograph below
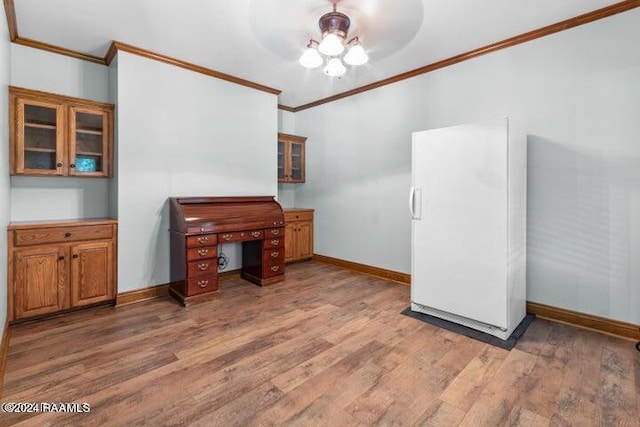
x,y
573,95
5,212
183,134
35,198
286,191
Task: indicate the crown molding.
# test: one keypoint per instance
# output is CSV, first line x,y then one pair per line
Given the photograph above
x,y
510,42
119,46
286,108
10,11
59,50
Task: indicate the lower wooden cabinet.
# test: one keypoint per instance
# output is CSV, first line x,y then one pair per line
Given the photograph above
x,y
298,236
59,266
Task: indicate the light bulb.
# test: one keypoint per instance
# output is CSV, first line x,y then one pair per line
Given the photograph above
x,y
334,68
356,55
331,45
310,58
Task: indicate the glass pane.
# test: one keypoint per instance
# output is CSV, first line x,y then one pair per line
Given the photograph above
x,y
296,161
34,114
39,160
89,122
39,137
280,160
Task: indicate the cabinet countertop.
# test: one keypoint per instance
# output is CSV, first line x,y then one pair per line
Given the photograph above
x,y
16,225
298,210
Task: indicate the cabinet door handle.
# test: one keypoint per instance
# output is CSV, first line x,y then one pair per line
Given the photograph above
x,y
275,242
74,256
227,237
275,268
203,252
203,283
275,254
203,266
203,240
72,165
59,165
256,233
61,258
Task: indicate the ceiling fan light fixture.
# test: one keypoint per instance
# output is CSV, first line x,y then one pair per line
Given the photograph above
x,y
311,58
356,54
334,27
334,68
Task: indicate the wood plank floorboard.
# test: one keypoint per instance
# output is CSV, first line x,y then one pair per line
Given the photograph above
x,y
326,347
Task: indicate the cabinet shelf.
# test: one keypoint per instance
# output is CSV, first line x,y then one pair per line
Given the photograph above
x,y
40,150
89,153
89,131
39,125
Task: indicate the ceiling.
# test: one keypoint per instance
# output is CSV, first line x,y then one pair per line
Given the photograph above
x,y
261,40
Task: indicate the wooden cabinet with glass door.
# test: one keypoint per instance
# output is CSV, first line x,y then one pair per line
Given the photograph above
x,y
291,158
59,135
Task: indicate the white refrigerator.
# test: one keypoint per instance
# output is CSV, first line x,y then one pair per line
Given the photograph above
x,y
468,207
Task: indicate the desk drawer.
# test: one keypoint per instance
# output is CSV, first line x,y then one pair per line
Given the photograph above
x,y
276,242
202,267
290,216
204,240
270,233
241,236
62,234
273,262
202,253
200,285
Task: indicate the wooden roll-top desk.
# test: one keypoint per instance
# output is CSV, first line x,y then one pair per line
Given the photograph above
x,y
199,224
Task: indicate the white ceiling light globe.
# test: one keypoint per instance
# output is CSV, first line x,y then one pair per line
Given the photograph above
x,y
335,68
331,45
311,58
356,56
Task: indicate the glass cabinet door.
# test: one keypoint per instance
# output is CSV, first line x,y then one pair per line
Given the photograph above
x,y
39,138
88,144
297,162
281,162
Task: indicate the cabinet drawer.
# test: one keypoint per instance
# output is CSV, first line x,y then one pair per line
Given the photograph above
x,y
270,233
241,236
204,240
202,253
276,242
62,234
298,216
200,285
202,267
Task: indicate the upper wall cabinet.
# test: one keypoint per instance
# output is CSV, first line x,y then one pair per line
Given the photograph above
x,y
291,160
58,135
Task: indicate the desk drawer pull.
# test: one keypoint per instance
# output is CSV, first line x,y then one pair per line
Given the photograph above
x,y
227,237
275,231
275,254
203,252
275,242
203,240
203,266
275,268
256,233
203,283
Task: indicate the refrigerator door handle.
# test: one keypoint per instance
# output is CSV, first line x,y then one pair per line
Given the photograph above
x,y
412,191
415,202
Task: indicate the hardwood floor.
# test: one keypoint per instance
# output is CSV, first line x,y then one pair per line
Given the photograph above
x,y
326,347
